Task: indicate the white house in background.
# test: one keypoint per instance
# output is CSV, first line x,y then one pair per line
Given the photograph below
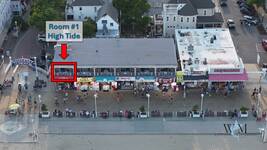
x,y
82,9
18,6
107,21
5,13
187,14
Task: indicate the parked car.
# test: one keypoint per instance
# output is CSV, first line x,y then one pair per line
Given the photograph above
x,y
251,20
41,37
243,5
240,1
245,11
264,67
223,3
44,114
264,44
230,23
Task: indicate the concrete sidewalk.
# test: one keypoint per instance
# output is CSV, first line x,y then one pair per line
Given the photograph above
x,y
143,126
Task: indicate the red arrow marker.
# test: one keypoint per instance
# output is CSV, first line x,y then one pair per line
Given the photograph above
x,y
64,53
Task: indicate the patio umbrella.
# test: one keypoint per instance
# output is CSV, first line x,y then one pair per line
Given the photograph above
x,y
13,106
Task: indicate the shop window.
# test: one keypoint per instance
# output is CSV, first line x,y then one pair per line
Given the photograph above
x,y
205,12
193,19
174,18
182,19
187,19
167,18
111,24
81,8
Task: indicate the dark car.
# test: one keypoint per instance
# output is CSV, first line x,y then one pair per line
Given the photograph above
x,y
240,1
223,4
245,11
264,44
243,5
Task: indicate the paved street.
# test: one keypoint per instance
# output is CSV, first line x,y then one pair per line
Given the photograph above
x,y
245,37
144,142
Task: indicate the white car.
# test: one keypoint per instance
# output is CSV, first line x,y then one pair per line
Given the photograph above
x,y
45,114
41,38
230,23
251,19
143,115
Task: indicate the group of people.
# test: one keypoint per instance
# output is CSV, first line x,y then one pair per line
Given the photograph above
x,y
256,92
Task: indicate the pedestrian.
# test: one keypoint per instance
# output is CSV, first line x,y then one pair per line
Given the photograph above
x,y
64,100
260,90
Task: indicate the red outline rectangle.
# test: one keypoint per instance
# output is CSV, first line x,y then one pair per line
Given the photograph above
x,y
52,73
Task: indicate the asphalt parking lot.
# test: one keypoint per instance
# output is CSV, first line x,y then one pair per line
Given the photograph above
x,y
245,37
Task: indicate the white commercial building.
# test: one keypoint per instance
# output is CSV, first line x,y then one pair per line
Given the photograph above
x,y
79,10
18,6
5,13
209,55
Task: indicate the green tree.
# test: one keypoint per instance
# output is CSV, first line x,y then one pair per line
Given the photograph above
x,y
23,25
89,28
132,14
46,10
256,2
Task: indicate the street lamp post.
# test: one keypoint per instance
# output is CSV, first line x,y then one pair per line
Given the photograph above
x,y
184,91
201,104
46,67
3,58
148,102
258,104
39,96
265,132
95,95
36,72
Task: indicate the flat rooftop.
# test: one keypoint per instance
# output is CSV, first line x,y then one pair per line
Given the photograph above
x,y
213,46
121,52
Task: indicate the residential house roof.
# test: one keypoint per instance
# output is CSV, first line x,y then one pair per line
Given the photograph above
x,y
197,4
188,9
108,9
201,4
87,3
217,17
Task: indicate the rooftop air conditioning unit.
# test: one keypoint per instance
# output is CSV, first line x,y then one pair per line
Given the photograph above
x,y
205,62
190,48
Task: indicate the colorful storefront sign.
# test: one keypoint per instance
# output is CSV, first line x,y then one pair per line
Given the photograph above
x,y
125,78
179,76
105,78
85,80
145,79
226,71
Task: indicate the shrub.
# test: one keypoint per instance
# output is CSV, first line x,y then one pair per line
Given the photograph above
x,y
43,107
243,109
142,108
195,108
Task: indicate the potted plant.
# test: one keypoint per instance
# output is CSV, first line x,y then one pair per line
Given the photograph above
x,y
43,107
142,108
196,113
142,113
243,112
44,112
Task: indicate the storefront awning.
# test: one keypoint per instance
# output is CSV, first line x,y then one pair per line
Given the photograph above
x,y
228,77
105,78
